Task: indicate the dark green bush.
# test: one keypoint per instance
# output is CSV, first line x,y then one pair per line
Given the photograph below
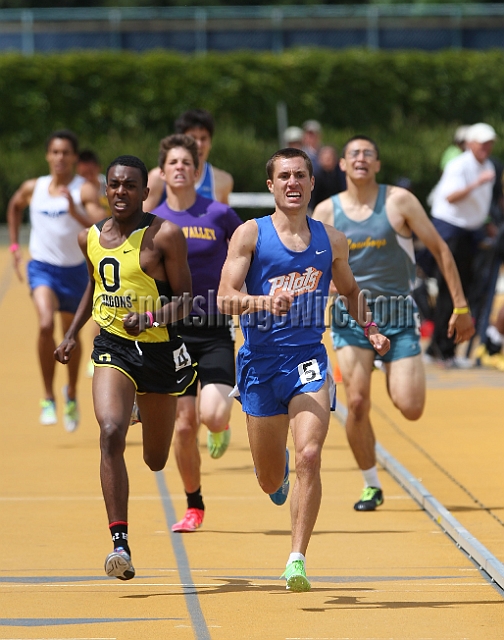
x,y
122,102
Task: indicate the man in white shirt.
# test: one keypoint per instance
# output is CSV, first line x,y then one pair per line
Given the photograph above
x,y
460,207
61,204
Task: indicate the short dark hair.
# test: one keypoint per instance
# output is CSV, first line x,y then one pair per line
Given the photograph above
x,y
130,161
86,155
288,152
361,137
195,118
63,134
178,140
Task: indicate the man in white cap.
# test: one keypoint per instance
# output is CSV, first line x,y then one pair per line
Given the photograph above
x,y
293,137
457,147
460,207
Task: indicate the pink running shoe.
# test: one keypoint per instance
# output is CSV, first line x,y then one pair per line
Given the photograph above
x,y
192,520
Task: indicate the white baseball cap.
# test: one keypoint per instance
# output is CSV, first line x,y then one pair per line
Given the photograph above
x,y
461,133
480,132
293,134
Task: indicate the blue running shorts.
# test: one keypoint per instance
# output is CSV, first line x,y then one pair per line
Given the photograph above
x,y
68,283
268,380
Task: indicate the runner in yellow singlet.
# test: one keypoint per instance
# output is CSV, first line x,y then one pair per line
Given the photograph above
x,y
139,283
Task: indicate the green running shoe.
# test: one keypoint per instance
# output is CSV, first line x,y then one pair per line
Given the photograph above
x,y
371,498
296,577
217,443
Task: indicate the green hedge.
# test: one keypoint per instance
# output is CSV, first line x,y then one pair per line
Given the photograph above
x,y
124,102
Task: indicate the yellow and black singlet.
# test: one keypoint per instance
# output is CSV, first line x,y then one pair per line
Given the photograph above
x,y
122,287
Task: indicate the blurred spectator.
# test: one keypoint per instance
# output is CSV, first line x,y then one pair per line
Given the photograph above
x,y
489,351
329,178
457,147
460,207
293,137
312,140
405,183
497,205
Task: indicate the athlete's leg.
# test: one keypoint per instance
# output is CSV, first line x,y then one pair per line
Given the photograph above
x,y
185,443
406,385
267,438
158,421
46,305
215,406
309,420
356,365
73,365
113,395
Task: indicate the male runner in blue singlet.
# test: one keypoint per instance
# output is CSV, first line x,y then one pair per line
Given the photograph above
x,y
276,277
379,222
138,277
212,183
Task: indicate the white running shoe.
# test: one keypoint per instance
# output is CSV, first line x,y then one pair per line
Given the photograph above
x,y
48,412
71,413
118,565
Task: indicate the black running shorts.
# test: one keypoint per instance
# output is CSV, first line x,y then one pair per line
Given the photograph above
x,y
153,367
212,349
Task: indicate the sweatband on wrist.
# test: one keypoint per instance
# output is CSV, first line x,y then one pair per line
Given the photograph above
x,y
459,311
151,318
368,326
13,247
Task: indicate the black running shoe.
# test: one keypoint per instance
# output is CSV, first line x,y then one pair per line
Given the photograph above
x,y
371,498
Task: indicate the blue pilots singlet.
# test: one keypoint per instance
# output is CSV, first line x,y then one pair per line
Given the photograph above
x,y
307,273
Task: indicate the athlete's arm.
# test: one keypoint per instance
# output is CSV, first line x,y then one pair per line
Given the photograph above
x,y
417,220
324,212
63,352
232,299
15,209
174,248
90,197
223,185
461,194
94,212
166,260
156,186
350,292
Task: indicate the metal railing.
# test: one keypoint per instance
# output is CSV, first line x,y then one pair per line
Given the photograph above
x,y
277,21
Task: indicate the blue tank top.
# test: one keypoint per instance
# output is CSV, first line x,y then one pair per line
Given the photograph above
x,y
274,267
382,261
206,184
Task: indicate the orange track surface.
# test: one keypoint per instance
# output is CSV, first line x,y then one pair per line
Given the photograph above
x,y
391,574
